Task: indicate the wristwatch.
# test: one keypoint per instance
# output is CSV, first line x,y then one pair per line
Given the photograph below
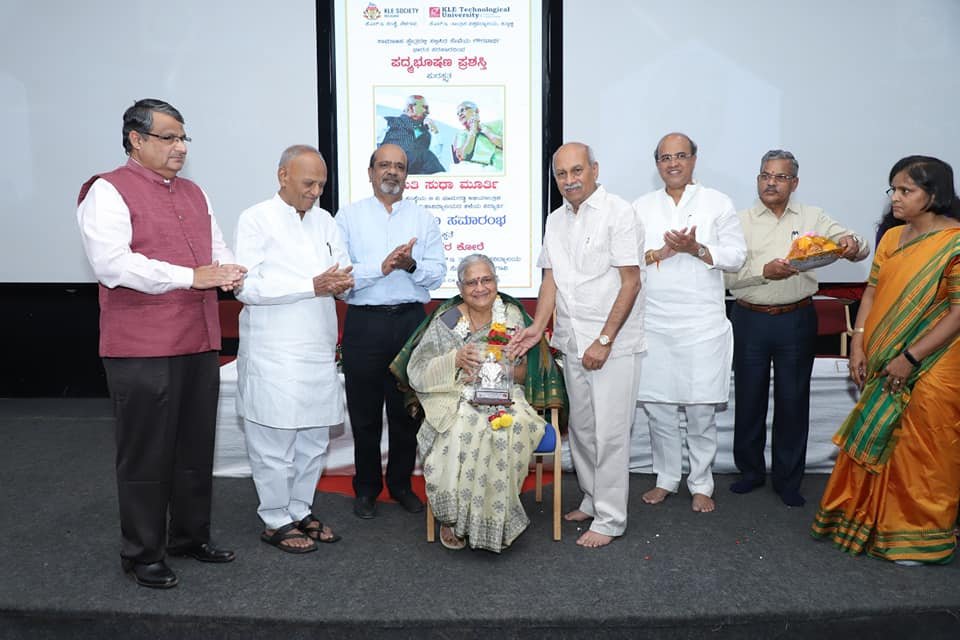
x,y
701,251
412,267
604,340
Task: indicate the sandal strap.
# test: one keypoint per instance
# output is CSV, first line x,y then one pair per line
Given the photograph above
x,y
283,533
307,520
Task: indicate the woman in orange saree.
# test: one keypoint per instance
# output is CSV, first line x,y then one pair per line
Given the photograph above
x,y
895,487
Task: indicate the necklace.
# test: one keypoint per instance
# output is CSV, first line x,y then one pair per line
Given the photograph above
x,y
474,325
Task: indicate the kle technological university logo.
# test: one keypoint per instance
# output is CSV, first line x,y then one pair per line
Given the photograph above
x,y
371,12
434,12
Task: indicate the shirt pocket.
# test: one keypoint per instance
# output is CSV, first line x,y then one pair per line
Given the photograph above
x,y
595,256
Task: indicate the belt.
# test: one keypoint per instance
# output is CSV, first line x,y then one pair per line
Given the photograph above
x,y
775,309
388,308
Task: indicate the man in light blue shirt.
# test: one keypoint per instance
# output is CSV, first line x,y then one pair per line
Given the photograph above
x,y
397,257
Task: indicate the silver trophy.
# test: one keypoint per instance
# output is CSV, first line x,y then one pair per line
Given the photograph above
x,y
494,379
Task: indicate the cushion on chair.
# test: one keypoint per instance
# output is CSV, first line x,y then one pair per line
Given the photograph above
x,y
549,440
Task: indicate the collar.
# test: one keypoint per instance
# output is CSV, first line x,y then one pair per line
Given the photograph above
x,y
760,209
592,201
149,174
282,205
688,192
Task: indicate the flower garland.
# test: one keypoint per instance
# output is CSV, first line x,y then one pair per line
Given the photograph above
x,y
498,325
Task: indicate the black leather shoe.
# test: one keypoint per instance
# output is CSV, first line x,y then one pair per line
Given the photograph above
x,y
203,552
409,501
365,507
156,575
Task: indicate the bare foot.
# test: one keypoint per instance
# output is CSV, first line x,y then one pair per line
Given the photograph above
x,y
655,495
703,503
592,540
577,516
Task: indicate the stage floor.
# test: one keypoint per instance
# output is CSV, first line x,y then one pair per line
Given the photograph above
x,y
749,570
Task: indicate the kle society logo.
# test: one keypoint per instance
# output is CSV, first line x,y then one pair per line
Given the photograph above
x,y
434,12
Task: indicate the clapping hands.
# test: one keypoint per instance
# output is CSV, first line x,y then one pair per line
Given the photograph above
x,y
333,281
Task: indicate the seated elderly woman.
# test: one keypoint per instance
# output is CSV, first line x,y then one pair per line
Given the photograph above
x,y
474,459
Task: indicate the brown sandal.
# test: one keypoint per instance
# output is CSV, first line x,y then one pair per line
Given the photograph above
x,y
453,542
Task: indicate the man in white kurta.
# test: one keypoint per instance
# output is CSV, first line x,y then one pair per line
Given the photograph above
x,y
288,389
592,271
693,235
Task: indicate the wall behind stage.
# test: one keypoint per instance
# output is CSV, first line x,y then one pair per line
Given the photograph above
x,y
849,87
243,74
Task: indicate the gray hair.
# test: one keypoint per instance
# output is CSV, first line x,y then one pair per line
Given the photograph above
x,y
472,259
139,118
470,104
780,154
693,145
591,157
295,150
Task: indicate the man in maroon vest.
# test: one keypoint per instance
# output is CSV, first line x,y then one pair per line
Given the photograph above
x,y
156,250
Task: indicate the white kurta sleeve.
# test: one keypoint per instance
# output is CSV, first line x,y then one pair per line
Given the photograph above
x,y
283,286
730,250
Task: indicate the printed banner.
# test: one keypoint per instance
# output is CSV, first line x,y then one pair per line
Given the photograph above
x,y
459,88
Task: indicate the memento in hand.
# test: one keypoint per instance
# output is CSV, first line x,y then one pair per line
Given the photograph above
x,y
494,380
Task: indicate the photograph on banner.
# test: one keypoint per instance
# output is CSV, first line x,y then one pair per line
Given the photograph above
x,y
450,129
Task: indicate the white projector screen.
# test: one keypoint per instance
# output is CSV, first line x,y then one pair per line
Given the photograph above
x,y
243,74
849,87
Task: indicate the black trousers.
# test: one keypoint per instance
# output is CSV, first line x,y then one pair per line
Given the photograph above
x,y
166,412
372,337
789,341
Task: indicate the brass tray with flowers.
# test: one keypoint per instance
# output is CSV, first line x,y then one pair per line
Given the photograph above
x,y
811,251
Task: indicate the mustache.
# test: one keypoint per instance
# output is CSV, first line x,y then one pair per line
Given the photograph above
x,y
571,187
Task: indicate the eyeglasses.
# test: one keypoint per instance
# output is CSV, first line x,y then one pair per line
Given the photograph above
x,y
667,157
776,177
169,138
476,282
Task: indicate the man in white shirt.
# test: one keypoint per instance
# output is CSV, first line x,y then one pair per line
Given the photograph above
x,y
693,235
288,389
592,261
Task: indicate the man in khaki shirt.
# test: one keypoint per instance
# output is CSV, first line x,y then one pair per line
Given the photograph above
x,y
774,319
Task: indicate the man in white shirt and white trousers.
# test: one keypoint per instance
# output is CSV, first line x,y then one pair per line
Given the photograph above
x,y
592,276
288,387
693,235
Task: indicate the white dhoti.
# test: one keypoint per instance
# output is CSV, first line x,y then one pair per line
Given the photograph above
x,y
286,465
667,444
602,407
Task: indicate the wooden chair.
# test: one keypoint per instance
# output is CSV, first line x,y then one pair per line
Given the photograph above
x,y
833,318
549,446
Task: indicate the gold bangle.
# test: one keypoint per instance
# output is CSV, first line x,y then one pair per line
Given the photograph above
x,y
858,330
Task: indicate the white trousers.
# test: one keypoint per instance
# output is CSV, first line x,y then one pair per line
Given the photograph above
x,y
667,445
602,408
286,464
